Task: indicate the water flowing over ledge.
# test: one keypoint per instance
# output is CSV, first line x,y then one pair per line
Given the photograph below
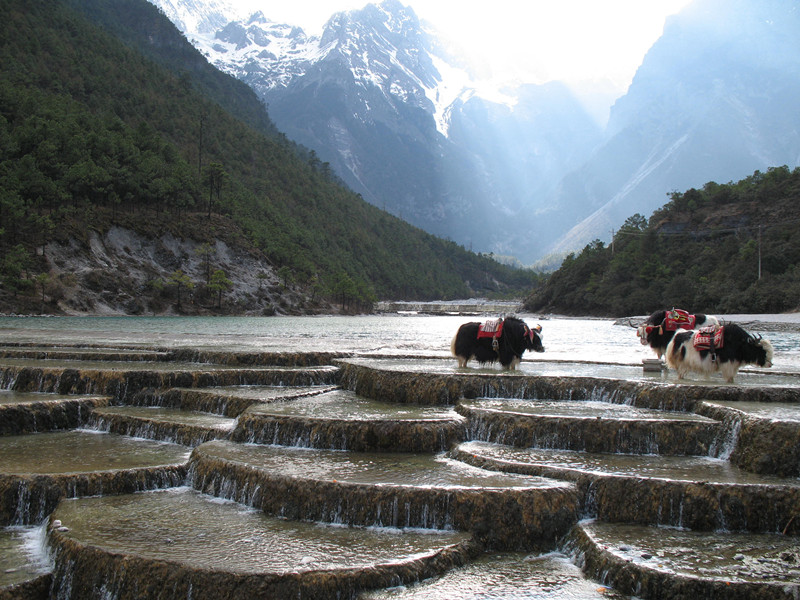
x,y
600,465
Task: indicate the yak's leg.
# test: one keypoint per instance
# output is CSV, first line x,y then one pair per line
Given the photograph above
x,y
729,370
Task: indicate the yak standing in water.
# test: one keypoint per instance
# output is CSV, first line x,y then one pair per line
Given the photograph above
x,y
499,339
717,349
658,329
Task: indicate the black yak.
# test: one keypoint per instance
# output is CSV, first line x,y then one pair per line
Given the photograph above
x,y
658,329
717,349
499,339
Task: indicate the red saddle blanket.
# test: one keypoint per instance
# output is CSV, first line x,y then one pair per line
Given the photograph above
x,y
491,328
678,319
704,338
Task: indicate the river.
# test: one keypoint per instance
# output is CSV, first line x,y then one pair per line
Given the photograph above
x,y
565,339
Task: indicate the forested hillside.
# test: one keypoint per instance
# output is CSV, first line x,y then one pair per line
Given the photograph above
x,y
725,248
96,133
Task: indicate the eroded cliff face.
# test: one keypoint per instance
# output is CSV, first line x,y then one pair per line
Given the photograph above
x,y
122,272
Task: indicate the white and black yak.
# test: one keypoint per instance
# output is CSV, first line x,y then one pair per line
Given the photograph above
x,y
658,329
498,339
717,350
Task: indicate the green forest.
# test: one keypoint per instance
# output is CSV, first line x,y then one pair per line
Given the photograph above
x,y
109,116
726,248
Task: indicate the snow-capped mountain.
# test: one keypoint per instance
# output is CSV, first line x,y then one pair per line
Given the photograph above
x,y
383,45
198,16
522,171
380,98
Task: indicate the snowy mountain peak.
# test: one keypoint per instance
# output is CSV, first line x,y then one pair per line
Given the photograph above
x,y
384,46
194,17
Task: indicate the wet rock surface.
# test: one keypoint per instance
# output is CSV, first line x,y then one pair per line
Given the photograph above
x,y
588,426
22,412
344,421
178,543
489,460
697,493
418,491
650,562
189,428
768,435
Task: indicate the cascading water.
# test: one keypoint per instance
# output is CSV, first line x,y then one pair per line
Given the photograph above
x,y
696,493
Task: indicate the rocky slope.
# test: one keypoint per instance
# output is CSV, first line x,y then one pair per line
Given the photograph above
x,y
122,272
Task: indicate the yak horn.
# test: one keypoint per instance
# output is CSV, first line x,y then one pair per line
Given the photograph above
x,y
632,325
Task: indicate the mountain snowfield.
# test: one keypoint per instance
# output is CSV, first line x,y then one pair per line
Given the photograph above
x,y
281,53
522,171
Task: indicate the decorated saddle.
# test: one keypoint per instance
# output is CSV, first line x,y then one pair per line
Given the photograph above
x,y
673,320
709,338
679,319
492,328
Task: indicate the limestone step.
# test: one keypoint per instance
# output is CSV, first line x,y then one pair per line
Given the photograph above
x,y
120,379
437,381
176,425
653,562
767,434
341,420
506,511
587,425
30,412
230,400
691,492
37,470
200,547
83,353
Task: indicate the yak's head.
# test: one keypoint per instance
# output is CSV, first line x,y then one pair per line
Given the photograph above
x,y
533,339
765,351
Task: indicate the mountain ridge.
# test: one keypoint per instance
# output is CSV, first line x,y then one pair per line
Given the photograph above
x,y
100,137
415,169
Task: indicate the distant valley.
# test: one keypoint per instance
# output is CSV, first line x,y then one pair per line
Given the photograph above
x,y
392,113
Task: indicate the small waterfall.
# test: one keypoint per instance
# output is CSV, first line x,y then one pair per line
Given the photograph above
x,y
727,438
34,498
589,508
33,502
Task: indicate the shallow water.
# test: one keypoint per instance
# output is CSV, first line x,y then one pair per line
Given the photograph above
x,y
777,411
506,576
577,409
189,527
420,470
267,393
672,468
728,557
21,556
539,365
168,415
83,451
14,397
131,366
342,404
565,339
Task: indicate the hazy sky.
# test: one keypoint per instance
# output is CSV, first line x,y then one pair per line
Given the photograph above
x,y
530,39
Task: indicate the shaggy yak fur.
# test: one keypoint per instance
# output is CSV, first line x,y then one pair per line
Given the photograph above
x,y
738,348
516,337
656,333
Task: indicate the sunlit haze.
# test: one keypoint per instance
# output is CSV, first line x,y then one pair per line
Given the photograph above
x,y
532,40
